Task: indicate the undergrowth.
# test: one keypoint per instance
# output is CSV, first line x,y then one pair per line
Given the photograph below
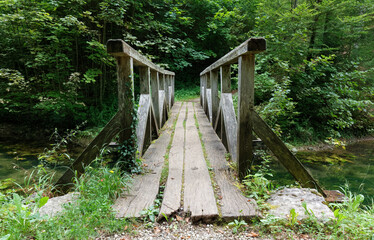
x,y
87,217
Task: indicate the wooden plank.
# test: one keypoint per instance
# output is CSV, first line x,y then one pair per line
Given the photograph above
x,y
143,111
161,100
284,155
225,77
172,193
214,94
145,187
145,78
233,203
209,104
118,48
251,46
111,129
125,79
155,97
198,191
230,124
246,72
170,96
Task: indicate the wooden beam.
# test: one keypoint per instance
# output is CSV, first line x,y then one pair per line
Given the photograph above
x,y
229,127
143,120
214,95
225,77
145,78
155,96
125,78
111,129
244,150
119,48
251,46
284,155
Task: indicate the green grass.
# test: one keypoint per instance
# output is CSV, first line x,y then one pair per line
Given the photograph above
x,y
187,93
88,217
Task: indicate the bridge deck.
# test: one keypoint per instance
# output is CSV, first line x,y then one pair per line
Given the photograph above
x,y
199,182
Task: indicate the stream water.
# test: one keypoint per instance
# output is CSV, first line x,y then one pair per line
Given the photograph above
x,y
332,168
351,169
18,160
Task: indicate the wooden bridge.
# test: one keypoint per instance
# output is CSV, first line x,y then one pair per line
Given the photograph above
x,y
193,138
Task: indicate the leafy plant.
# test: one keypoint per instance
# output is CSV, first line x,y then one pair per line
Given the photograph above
x,y
237,225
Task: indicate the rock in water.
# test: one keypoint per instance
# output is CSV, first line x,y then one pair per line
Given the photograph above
x,y
282,201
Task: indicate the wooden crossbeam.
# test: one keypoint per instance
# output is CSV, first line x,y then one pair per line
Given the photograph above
x,y
111,129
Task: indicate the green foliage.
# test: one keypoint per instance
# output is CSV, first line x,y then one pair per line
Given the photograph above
x,y
237,225
88,216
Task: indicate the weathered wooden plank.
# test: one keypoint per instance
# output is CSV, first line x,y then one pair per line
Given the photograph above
x,y
173,89
198,191
143,120
225,77
170,96
246,72
230,124
284,155
251,46
167,93
161,100
172,193
209,104
118,47
125,79
233,203
155,96
111,129
214,94
201,90
145,78
145,187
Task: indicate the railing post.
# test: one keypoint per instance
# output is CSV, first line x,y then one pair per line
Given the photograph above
x,y
245,113
144,75
215,99
166,88
155,96
207,89
125,78
173,89
225,76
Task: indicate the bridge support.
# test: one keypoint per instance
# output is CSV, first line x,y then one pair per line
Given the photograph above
x,y
151,115
236,133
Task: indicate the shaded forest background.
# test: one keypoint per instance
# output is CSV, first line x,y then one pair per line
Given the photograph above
x,y
315,80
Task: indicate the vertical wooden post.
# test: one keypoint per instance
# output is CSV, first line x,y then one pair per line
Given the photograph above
x,y
154,92
125,79
144,75
166,87
215,99
225,78
245,113
201,90
173,89
207,86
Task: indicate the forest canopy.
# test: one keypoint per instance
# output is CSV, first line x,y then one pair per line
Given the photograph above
x,y
314,81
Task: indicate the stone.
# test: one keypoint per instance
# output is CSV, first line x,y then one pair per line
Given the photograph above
x,y
55,205
282,201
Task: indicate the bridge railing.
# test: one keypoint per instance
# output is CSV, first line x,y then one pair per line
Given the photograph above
x,y
236,132
156,99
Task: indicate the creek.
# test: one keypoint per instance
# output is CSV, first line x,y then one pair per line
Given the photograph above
x,y
351,168
334,168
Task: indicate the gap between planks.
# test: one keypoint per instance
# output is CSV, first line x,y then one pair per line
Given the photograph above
x,y
146,187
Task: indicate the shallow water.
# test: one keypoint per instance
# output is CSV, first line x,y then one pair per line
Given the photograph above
x,y
336,168
18,160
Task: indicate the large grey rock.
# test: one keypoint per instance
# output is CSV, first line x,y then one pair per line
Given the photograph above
x,y
282,201
55,205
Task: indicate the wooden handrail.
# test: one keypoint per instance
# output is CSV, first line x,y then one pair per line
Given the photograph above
x,y
236,133
117,48
251,46
156,99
